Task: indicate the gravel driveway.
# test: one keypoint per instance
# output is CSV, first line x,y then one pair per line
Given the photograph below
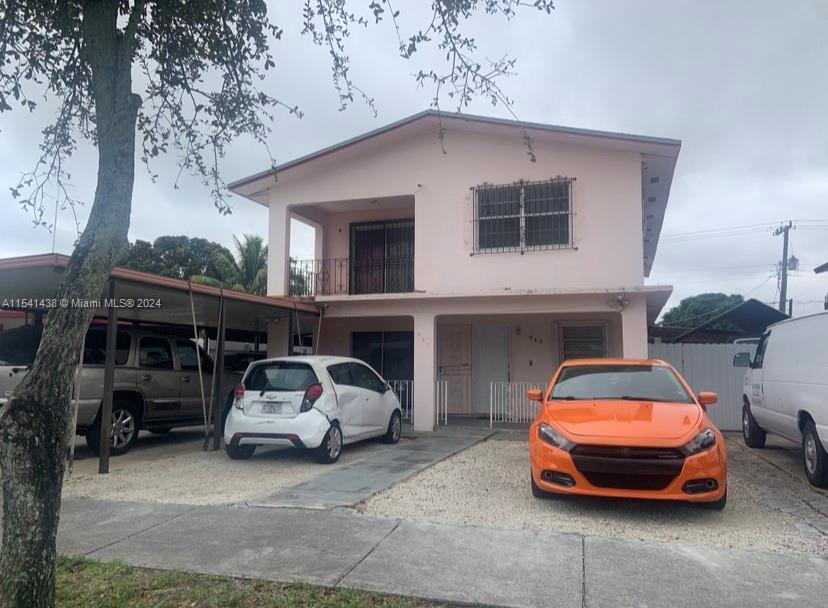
x,y
174,469
488,484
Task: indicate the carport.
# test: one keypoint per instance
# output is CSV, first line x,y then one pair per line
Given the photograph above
x,y
31,283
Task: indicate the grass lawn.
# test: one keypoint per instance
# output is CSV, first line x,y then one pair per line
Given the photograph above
x,y
83,583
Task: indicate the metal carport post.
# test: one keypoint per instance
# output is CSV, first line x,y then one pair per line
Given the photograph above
x,y
109,379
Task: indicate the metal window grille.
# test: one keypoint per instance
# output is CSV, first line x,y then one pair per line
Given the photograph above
x,y
583,342
524,216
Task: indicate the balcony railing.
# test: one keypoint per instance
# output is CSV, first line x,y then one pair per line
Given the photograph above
x,y
344,276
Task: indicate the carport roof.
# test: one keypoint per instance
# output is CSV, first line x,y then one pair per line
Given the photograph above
x,y
38,277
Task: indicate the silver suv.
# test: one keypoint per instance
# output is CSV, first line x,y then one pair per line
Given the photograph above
x,y
156,381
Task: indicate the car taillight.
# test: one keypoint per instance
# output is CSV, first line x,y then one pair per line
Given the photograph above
x,y
313,392
238,392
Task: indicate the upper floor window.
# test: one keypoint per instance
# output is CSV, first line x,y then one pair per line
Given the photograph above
x,y
523,216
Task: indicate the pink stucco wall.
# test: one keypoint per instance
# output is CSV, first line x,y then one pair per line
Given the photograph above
x,y
606,203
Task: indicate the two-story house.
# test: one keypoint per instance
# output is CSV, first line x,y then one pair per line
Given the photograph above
x,y
445,254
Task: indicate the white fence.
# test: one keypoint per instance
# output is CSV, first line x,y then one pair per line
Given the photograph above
x,y
508,402
441,401
709,367
404,389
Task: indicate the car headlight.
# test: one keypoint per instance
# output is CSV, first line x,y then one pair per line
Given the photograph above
x,y
548,434
704,440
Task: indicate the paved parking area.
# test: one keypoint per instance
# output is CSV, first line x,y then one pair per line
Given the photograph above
x,y
488,484
173,468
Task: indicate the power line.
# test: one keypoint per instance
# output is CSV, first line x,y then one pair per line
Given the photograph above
x,y
734,231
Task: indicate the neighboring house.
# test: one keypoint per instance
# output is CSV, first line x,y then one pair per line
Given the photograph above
x,y
444,255
748,319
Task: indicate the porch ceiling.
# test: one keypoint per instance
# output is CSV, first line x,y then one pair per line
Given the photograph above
x,y
402,201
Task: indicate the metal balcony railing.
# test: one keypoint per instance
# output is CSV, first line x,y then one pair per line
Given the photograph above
x,y
344,276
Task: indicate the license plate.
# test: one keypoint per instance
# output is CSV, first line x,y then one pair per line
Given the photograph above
x,y
271,408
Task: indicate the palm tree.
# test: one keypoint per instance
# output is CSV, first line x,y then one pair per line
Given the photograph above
x,y
247,271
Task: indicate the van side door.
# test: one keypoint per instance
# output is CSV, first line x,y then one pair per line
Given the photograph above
x,y
760,401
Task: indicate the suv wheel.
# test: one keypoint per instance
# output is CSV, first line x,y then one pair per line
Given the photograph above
x,y
753,434
126,423
814,457
331,447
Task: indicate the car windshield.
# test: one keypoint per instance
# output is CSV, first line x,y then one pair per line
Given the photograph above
x,y
280,376
633,382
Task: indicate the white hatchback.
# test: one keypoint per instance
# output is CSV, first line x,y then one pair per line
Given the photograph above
x,y
314,402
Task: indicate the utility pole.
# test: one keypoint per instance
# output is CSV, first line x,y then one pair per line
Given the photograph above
x,y
783,278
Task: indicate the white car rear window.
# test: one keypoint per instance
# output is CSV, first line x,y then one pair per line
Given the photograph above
x,y
280,376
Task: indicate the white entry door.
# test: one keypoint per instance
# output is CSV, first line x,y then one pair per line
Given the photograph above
x,y
490,362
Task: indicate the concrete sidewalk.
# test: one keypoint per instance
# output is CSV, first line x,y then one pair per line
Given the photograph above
x,y
450,563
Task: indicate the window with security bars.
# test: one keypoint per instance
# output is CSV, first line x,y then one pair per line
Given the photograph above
x,y
523,216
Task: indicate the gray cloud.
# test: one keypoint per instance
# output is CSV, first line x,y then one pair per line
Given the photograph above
x,y
741,83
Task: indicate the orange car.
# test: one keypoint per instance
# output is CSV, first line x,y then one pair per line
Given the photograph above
x,y
626,428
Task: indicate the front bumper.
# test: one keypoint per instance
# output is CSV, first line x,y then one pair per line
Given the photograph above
x,y
630,478
306,430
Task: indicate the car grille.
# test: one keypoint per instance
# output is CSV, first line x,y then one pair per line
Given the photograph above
x,y
627,468
624,452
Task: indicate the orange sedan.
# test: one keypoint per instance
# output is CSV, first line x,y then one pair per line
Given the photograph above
x,y
626,428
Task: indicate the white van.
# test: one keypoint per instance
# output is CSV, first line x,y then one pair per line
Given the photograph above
x,y
785,390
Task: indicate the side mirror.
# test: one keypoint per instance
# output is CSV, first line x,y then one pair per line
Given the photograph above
x,y
708,398
534,394
741,360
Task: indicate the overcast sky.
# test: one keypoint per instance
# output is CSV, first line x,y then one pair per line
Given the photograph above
x,y
741,83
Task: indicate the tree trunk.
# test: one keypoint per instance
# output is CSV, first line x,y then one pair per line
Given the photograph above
x,y
35,424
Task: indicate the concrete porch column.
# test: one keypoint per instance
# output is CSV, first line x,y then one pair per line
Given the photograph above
x,y
278,337
634,328
425,355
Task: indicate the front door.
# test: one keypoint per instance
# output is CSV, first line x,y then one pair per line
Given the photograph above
x,y
490,362
454,366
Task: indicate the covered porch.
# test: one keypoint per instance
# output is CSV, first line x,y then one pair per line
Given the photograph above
x,y
475,357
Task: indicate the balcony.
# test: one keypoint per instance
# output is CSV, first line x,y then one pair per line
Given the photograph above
x,y
344,276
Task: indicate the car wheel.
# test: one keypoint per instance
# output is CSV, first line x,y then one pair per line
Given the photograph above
x,y
814,457
392,435
716,505
125,426
331,447
537,492
240,452
753,434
